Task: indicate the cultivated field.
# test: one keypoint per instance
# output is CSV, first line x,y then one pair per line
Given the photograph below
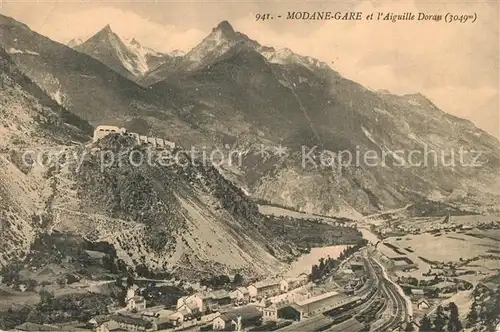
x,y
481,246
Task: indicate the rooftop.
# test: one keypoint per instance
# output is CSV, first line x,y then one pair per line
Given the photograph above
x,y
266,283
219,294
137,299
131,320
246,313
317,298
37,327
243,290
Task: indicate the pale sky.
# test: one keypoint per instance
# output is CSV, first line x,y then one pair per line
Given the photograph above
x,y
456,65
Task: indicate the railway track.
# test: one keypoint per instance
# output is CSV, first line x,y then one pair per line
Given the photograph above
x,y
396,303
383,288
351,325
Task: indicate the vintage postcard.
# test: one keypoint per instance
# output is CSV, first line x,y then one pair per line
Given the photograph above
x,y
249,165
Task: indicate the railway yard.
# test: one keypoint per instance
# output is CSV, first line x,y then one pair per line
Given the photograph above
x,y
376,306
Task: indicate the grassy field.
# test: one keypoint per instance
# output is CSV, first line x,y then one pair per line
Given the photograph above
x,y
468,220
450,247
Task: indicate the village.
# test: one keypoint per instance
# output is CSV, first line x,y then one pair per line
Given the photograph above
x,y
334,288
434,273
269,304
356,293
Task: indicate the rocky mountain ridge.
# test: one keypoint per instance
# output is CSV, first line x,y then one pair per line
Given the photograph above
x,y
125,56
231,91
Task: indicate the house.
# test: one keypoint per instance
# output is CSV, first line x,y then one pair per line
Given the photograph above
x,y
131,292
36,327
164,313
103,130
115,323
266,288
136,303
194,302
152,313
270,313
422,304
283,286
240,295
185,312
323,302
163,324
297,282
237,319
177,318
259,305
417,291
218,298
109,326
102,323
132,323
209,318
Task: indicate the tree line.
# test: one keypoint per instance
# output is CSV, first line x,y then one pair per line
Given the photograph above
x,y
442,322
327,265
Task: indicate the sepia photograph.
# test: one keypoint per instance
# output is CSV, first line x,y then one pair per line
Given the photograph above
x,y
249,165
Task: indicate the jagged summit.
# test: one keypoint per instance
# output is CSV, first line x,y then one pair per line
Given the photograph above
x,y
105,34
225,28
125,56
107,28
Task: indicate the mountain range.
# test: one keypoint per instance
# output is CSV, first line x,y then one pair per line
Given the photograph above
x,y
125,56
228,92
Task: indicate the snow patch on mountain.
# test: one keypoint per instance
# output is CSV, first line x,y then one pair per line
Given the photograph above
x,y
57,96
382,111
414,102
75,42
287,56
176,53
137,64
109,48
369,135
214,44
16,51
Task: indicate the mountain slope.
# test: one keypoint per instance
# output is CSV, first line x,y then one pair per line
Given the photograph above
x,y
69,76
184,218
247,95
108,48
30,121
88,88
217,43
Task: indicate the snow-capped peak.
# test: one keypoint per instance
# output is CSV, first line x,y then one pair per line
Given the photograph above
x,y
128,51
176,53
215,44
287,56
